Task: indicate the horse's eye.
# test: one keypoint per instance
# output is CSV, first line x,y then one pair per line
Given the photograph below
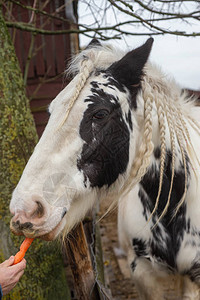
x,y
101,114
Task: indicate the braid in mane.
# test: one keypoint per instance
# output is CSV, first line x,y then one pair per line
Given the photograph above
x,y
178,130
169,117
86,66
142,159
168,112
181,138
162,129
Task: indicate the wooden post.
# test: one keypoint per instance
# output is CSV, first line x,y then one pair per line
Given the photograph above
x,y
81,265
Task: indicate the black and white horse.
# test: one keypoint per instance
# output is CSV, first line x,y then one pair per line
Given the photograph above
x,y
121,129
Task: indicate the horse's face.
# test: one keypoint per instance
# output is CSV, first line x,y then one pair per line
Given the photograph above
x,y
77,159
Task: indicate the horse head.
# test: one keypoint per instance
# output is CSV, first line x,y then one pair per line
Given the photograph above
x,y
87,148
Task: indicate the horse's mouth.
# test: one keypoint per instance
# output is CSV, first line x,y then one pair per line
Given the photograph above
x,y
29,231
24,229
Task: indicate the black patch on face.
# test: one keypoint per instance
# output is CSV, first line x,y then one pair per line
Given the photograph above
x,y
105,153
173,228
111,82
114,84
132,90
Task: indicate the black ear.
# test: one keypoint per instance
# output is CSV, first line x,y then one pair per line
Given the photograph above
x,y
128,70
94,42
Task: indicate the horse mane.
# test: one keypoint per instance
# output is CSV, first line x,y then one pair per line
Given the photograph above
x,y
158,93
173,109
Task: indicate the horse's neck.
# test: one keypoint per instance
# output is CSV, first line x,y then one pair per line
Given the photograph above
x,y
181,141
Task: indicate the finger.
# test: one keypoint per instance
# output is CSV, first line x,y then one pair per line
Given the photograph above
x,y
22,263
14,276
8,262
18,267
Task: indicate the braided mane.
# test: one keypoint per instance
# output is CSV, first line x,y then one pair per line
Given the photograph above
x,y
158,95
173,111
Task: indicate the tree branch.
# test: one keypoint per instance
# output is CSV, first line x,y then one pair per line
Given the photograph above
x,y
173,1
150,25
159,12
38,11
178,16
116,30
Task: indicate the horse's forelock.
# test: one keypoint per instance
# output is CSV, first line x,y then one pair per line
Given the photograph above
x,y
83,64
101,56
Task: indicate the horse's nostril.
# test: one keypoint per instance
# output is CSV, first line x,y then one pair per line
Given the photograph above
x,y
39,212
21,226
27,225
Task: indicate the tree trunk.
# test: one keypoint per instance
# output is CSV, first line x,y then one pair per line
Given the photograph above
x,y
44,277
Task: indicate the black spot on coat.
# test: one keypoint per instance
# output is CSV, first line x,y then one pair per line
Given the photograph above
x,y
173,227
139,247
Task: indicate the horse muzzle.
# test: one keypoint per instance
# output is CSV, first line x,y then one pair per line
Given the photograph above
x,y
44,226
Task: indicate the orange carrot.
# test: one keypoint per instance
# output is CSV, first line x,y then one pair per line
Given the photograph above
x,y
23,248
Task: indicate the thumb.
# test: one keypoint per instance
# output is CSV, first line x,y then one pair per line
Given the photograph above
x,y
9,261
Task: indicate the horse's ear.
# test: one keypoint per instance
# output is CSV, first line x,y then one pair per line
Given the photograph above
x,y
94,42
128,70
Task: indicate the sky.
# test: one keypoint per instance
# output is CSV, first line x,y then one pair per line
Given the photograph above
x,y
177,56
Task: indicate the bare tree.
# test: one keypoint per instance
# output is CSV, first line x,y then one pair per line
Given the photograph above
x,y
111,19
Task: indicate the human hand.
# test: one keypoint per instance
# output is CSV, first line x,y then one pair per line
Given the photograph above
x,y
10,274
